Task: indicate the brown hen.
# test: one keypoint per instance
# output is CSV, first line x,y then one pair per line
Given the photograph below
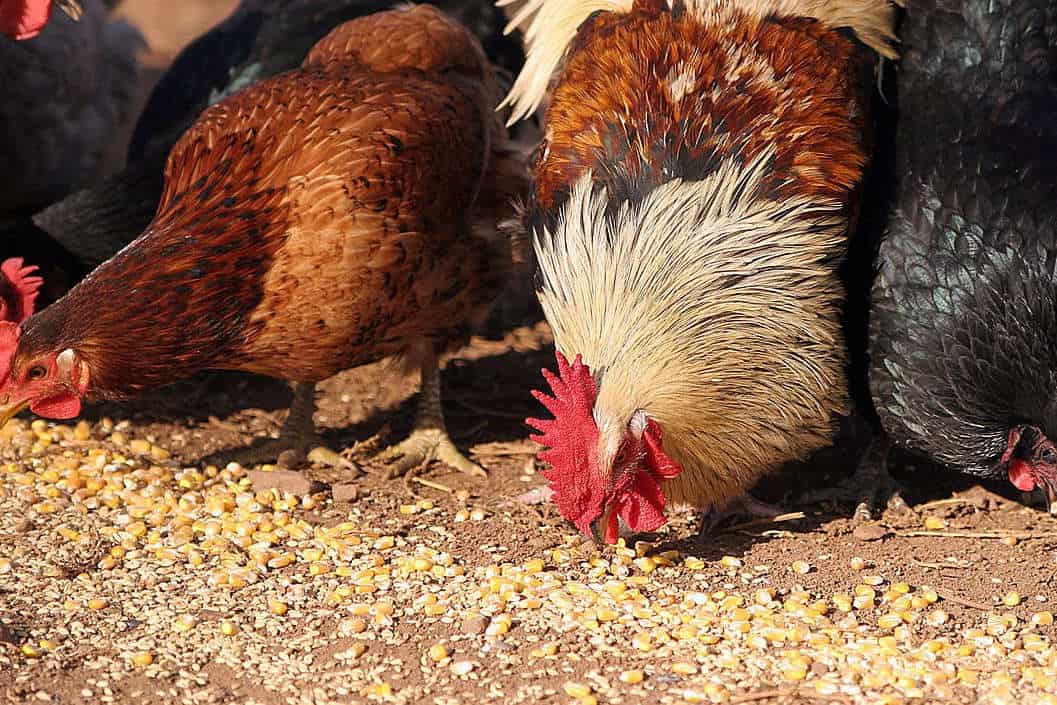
x,y
320,220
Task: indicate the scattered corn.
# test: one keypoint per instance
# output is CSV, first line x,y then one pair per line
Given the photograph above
x,y
142,658
577,690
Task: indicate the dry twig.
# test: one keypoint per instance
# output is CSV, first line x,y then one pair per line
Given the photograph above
x,y
1019,535
964,603
766,521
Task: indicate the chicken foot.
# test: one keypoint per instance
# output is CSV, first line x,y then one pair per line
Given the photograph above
x,y
429,440
298,441
870,482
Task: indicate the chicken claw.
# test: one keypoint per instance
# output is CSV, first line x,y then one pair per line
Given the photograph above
x,y
298,441
870,482
429,441
425,445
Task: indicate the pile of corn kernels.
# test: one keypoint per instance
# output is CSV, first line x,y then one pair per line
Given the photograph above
x,y
128,575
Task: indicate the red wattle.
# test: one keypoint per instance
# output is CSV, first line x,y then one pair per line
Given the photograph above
x,y
63,406
1021,475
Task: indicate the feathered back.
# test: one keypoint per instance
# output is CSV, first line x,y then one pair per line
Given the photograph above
x,y
550,27
965,304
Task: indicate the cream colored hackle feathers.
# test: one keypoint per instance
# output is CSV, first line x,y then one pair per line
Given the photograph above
x,y
714,314
550,26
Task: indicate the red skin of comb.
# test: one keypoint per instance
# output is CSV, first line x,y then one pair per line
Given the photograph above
x,y
19,295
582,490
24,19
17,299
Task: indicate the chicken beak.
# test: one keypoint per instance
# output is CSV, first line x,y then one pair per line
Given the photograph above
x,y
1049,486
9,409
600,526
72,8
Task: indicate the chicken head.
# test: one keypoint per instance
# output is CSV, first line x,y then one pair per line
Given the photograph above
x,y
599,477
51,385
1030,461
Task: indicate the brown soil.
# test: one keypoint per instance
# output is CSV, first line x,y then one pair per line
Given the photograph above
x,y
304,655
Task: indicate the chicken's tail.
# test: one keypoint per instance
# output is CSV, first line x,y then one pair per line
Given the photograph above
x,y
549,27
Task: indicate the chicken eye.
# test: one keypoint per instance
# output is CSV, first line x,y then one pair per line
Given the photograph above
x,y
1049,456
37,372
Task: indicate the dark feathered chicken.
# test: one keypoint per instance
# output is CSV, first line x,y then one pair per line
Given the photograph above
x,y
964,328
62,96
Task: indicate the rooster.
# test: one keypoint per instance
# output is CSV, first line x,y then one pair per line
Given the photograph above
x,y
319,220
964,323
63,93
691,207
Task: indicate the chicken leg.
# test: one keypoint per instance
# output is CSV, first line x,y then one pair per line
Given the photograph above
x,y
298,441
870,482
429,440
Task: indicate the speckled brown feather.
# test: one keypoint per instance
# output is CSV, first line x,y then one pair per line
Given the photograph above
x,y
314,222
784,83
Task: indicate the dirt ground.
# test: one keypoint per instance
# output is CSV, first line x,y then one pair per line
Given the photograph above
x,y
136,567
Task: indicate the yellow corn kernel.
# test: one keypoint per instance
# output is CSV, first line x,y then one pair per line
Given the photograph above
x,y
534,566
1011,599
229,628
438,652
277,607
97,603
632,677
1042,619
184,623
577,690
934,523
139,446
730,562
683,668
142,658
646,564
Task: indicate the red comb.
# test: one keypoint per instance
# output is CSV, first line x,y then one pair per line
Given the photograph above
x,y
571,438
26,287
24,19
9,333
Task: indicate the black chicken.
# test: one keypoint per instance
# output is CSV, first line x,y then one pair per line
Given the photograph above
x,y
963,332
